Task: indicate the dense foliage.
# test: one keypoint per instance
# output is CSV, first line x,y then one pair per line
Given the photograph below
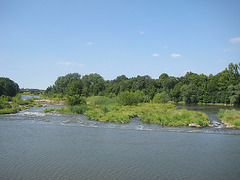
x,y
223,87
8,87
10,105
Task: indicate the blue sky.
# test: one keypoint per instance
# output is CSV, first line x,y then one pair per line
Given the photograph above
x,y
42,40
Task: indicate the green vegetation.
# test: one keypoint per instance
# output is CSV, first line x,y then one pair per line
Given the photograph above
x,y
8,87
161,97
101,100
10,101
223,88
169,115
230,117
107,109
127,98
75,100
9,105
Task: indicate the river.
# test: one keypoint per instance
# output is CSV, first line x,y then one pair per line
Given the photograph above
x,y
35,145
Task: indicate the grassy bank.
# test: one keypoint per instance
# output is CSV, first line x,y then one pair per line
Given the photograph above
x,y
231,118
107,110
10,105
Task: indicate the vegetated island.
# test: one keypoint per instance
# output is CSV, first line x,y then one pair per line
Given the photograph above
x,y
107,109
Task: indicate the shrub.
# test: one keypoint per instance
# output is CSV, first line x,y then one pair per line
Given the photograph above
x,y
4,102
127,98
75,100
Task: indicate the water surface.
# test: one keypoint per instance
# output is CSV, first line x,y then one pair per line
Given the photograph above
x,y
35,145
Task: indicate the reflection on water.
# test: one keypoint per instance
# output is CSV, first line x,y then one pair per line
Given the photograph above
x,y
37,145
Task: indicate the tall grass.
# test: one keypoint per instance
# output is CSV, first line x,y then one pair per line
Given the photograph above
x,y
101,100
77,109
169,115
231,117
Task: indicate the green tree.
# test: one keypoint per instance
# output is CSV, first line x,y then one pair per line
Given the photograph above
x,y
142,97
175,93
93,84
234,94
189,93
161,97
62,82
8,87
75,87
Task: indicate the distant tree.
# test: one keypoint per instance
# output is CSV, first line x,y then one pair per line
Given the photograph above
x,y
175,93
61,84
189,93
234,69
35,91
234,94
8,87
120,78
93,84
75,87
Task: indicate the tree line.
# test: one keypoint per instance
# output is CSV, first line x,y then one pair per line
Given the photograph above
x,y
223,87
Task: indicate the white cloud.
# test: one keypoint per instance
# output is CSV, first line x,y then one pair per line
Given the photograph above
x,y
235,40
175,55
90,43
66,63
142,32
155,55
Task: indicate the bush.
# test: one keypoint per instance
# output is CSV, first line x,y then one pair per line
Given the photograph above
x,y
75,100
161,97
4,102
